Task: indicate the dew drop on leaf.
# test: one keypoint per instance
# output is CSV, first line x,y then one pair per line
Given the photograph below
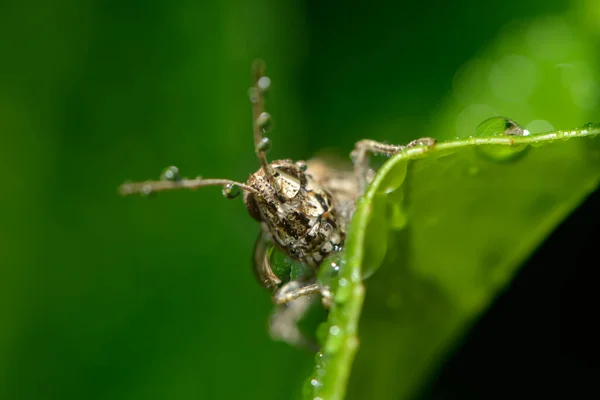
x,y
591,125
334,330
502,153
343,292
335,339
376,237
498,126
394,178
328,272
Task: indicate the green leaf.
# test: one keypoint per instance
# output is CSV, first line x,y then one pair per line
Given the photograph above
x,y
449,225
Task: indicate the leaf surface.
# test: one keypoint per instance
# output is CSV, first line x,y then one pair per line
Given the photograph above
x,y
446,228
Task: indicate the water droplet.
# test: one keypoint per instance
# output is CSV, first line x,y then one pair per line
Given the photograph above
x,y
170,174
502,153
564,135
318,357
376,236
394,179
286,268
264,83
591,125
343,292
472,116
264,122
334,340
495,127
264,145
541,143
498,126
329,270
299,271
315,383
302,165
147,190
422,142
231,191
321,361
253,95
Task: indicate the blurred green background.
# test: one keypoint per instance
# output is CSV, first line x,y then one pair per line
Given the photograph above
x,y
103,297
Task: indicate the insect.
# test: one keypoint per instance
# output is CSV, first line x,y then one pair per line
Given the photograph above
x,y
303,208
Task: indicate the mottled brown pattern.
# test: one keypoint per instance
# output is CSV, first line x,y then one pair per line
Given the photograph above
x,y
306,212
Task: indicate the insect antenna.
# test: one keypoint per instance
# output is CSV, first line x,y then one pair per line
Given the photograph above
x,y
170,180
261,120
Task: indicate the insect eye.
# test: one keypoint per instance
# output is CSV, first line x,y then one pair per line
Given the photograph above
x,y
251,206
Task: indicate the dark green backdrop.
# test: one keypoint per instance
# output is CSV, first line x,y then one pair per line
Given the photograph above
x,y
103,297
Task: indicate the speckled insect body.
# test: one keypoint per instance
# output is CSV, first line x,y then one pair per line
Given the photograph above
x,y
301,215
303,208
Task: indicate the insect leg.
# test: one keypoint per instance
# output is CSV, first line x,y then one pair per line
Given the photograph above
x,y
261,263
293,290
283,324
362,148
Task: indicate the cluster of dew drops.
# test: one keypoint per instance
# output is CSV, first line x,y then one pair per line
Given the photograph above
x,y
264,121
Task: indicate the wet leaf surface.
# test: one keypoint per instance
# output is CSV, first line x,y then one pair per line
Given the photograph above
x,y
471,220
